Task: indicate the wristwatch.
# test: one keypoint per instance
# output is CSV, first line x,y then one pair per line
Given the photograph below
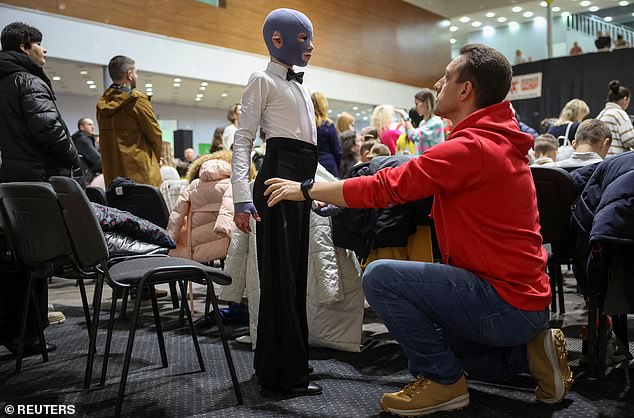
x,y
305,187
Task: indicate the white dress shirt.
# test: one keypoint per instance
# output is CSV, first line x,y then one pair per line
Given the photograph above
x,y
281,108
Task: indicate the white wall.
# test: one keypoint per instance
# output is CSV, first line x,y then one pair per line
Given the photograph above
x,y
201,121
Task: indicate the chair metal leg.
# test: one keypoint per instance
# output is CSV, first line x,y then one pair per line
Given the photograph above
x,y
190,286
191,327
174,295
25,313
128,355
592,337
181,313
560,289
124,303
602,342
38,321
106,352
157,322
92,343
84,303
225,345
553,285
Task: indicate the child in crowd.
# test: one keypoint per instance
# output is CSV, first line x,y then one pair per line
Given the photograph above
x,y
545,148
379,150
591,144
365,150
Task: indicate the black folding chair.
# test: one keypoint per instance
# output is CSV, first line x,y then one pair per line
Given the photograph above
x,y
555,194
97,195
90,250
147,202
37,239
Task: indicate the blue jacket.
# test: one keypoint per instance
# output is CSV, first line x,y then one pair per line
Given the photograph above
x,y
604,213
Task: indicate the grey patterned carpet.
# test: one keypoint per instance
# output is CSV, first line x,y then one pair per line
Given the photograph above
x,y
353,382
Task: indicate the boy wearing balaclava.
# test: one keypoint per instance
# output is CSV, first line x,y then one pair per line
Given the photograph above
x,y
276,101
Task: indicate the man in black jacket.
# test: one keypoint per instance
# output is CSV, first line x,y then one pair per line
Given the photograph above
x,y
84,140
35,145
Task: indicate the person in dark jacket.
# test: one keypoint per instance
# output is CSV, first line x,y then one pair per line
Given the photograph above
x,y
84,140
35,145
328,145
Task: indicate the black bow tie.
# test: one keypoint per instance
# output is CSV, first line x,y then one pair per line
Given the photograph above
x,y
292,75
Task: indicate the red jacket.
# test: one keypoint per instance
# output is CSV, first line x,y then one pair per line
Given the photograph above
x,y
485,208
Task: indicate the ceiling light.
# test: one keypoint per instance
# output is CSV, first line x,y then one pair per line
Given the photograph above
x,y
453,28
199,95
177,80
490,14
203,88
445,23
357,114
149,93
176,84
92,86
365,118
623,3
543,4
224,94
57,78
502,19
89,82
585,3
594,9
516,9
329,110
488,30
565,14
514,25
476,24
452,41
556,9
149,89
83,72
607,19
355,108
204,83
464,19
148,84
528,14
198,99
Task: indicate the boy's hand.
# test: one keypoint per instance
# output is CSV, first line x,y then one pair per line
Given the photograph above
x,y
242,214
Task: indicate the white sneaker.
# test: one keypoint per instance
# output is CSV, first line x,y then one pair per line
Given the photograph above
x,y
245,339
55,318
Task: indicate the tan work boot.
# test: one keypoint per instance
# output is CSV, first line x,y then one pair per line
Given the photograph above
x,y
548,363
424,397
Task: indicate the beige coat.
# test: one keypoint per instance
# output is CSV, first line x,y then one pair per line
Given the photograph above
x,y
202,220
130,139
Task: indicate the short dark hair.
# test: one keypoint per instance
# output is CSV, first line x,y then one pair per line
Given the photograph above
x,y
18,33
81,122
119,66
617,91
488,70
592,131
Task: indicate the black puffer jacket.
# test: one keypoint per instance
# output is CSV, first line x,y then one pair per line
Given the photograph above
x,y
34,139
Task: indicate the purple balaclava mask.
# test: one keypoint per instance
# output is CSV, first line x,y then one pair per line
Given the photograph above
x,y
289,23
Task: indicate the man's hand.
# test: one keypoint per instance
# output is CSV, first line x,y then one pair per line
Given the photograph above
x,y
281,189
242,214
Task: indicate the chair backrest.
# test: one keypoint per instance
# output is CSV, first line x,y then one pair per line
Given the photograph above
x,y
96,195
79,218
32,220
555,194
142,200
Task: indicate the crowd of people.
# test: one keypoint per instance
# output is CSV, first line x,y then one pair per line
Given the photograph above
x,y
480,313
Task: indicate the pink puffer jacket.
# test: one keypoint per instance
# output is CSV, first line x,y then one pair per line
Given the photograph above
x,y
202,220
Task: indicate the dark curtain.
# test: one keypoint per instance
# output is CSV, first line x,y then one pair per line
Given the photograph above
x,y
584,77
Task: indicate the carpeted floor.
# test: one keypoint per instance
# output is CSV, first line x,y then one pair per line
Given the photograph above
x,y
353,382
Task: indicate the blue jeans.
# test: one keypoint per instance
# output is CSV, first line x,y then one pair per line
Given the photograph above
x,y
447,321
